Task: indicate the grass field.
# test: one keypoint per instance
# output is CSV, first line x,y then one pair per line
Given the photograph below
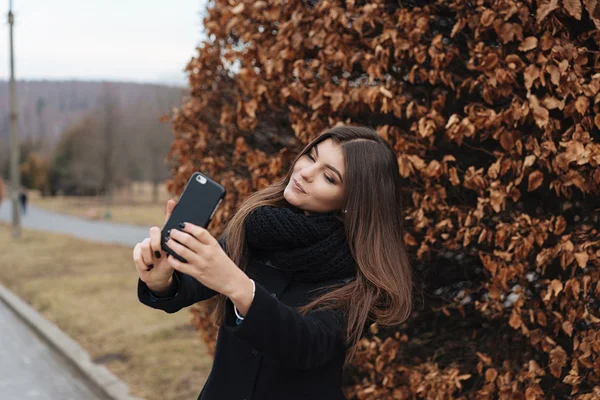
x,y
133,205
89,291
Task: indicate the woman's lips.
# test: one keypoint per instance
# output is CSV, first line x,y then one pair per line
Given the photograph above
x,y
297,186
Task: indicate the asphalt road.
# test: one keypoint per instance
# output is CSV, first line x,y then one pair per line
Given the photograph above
x,y
30,369
98,231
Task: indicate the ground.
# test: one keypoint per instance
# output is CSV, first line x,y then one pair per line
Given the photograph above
x,y
89,291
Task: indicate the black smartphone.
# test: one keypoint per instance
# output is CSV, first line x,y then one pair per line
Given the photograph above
x,y
197,204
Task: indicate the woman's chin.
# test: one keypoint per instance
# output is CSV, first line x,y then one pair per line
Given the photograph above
x,y
288,194
291,196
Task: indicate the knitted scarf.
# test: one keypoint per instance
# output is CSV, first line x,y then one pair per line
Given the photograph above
x,y
312,247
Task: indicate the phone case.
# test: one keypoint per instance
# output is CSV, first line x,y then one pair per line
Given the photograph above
x,y
197,204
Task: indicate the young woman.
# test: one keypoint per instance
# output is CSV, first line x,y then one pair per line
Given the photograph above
x,y
301,269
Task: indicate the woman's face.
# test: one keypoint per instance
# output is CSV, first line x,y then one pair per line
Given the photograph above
x,y
320,173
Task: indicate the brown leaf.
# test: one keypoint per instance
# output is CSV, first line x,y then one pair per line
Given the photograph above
x,y
554,72
556,286
529,43
385,92
573,7
409,239
487,17
582,104
509,32
568,328
490,375
238,9
453,175
582,259
530,74
545,7
259,5
529,161
560,225
484,357
541,116
552,103
575,287
337,98
507,140
250,108
317,101
558,359
458,26
593,9
536,179
515,319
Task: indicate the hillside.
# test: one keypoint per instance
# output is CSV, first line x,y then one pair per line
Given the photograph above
x,y
48,108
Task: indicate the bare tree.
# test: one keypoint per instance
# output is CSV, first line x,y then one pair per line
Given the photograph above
x,y
160,138
109,142
150,139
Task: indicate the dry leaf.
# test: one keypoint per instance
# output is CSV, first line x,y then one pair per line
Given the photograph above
x,y
582,104
573,7
582,259
558,359
536,179
238,9
529,43
545,7
530,74
515,319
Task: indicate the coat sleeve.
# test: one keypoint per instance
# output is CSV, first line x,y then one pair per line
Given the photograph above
x,y
280,332
185,291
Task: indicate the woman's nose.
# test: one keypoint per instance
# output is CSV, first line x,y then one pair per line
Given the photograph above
x,y
306,173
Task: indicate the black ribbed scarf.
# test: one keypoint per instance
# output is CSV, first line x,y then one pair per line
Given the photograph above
x,y
312,247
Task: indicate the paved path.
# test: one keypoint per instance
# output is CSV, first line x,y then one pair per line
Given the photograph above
x,y
29,368
98,231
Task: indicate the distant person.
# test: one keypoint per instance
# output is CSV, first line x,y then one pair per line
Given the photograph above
x,y
23,200
1,190
314,258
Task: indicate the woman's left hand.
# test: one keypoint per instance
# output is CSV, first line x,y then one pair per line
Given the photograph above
x,y
207,262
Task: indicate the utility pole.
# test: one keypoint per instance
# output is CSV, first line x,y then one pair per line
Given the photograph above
x,y
14,138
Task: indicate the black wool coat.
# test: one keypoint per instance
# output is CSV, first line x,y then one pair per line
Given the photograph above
x,y
275,353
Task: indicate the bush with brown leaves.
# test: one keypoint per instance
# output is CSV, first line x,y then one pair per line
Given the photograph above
x,y
492,107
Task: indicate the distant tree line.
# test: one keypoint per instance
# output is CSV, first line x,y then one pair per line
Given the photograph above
x,y
118,140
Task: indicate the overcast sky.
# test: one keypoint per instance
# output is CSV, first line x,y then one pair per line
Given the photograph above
x,y
125,40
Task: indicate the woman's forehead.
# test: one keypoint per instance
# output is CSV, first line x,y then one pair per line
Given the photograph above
x,y
330,153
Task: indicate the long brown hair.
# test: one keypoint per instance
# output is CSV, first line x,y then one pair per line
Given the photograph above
x,y
382,290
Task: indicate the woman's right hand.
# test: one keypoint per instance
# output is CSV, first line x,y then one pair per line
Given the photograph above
x,y
149,252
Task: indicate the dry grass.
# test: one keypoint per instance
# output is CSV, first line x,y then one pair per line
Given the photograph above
x,y
89,291
132,206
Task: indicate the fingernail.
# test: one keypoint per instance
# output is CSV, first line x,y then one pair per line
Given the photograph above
x,y
182,225
150,267
157,253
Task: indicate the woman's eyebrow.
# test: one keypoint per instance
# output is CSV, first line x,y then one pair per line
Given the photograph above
x,y
331,167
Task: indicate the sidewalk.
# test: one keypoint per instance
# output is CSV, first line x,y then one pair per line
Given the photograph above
x,y
37,360
31,369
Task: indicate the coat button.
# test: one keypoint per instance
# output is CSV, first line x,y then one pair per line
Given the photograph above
x,y
254,352
274,294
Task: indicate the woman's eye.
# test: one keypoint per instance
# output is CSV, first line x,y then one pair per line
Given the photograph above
x,y
327,177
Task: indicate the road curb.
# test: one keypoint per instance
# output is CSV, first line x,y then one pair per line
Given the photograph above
x,y
99,375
